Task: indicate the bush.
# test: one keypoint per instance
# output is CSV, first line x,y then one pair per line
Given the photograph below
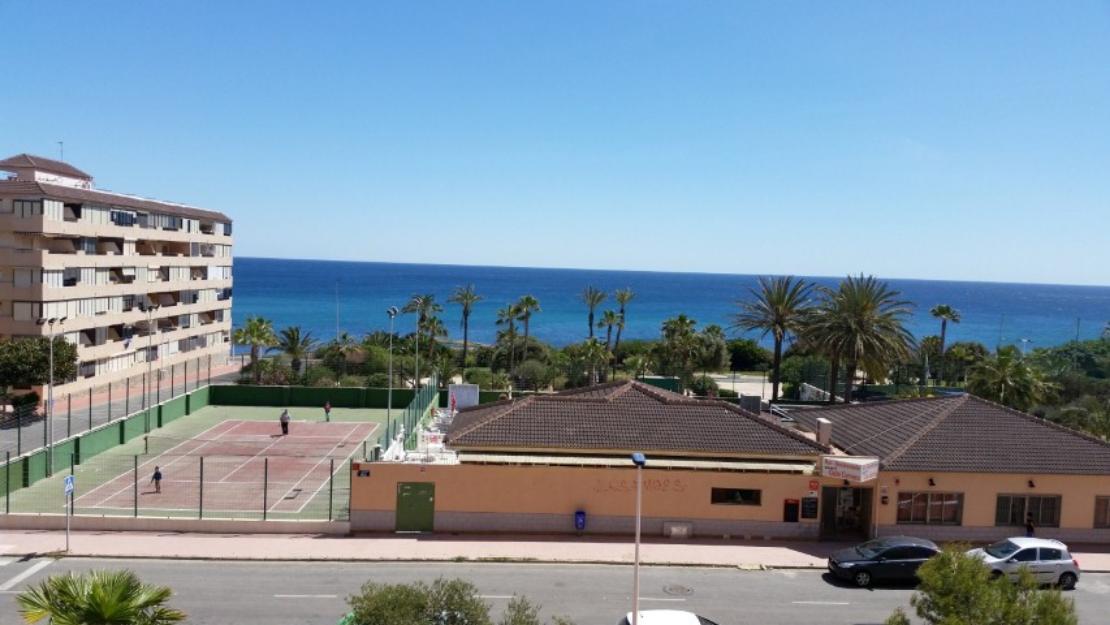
x,y
533,374
482,376
727,392
319,375
704,386
378,380
443,602
353,381
747,355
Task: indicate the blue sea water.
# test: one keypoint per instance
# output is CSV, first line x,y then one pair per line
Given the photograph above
x,y
304,292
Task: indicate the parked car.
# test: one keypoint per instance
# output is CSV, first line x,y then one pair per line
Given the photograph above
x,y
1048,560
666,617
895,558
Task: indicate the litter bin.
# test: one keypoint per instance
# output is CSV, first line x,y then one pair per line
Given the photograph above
x,y
580,520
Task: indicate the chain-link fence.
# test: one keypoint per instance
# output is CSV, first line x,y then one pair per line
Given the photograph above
x,y
25,429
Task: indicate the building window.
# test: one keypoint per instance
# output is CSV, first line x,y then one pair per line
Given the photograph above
x,y
735,496
1102,511
1015,509
27,208
930,508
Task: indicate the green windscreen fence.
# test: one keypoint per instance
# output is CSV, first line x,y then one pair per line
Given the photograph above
x,y
171,410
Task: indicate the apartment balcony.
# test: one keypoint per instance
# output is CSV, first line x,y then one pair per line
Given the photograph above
x,y
81,228
131,317
140,342
42,293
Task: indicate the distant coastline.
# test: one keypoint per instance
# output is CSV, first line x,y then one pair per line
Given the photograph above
x,y
303,292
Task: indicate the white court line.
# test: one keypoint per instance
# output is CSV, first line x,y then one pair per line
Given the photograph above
x,y
247,461
189,440
306,596
820,603
308,473
321,486
34,568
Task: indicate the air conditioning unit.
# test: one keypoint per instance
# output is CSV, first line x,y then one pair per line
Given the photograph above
x,y
673,529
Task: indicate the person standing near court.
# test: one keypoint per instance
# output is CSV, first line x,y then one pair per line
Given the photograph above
x,y
156,479
284,422
1030,529
327,411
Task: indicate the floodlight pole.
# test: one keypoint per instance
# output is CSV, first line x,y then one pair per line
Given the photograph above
x,y
392,312
639,460
149,362
49,323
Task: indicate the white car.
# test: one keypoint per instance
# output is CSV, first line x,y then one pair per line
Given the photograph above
x,y
666,617
1048,560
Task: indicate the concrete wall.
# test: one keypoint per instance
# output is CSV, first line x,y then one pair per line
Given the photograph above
x,y
543,499
141,524
980,492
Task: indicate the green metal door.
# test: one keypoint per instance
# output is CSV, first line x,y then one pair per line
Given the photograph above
x,y
416,507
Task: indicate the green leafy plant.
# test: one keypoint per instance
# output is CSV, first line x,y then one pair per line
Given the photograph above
x,y
98,598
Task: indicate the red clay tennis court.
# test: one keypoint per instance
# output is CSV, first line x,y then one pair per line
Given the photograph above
x,y
236,468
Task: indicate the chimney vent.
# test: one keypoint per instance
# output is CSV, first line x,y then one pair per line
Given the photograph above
x,y
824,431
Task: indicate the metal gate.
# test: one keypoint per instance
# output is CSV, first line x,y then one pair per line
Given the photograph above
x,y
416,506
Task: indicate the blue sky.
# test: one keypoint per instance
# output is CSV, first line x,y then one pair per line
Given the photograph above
x,y
939,140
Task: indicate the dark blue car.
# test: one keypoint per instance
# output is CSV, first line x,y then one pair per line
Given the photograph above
x,y
883,559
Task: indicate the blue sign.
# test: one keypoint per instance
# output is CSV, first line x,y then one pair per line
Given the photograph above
x,y
70,482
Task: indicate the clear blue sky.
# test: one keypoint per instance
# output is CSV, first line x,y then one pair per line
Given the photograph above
x,y
940,140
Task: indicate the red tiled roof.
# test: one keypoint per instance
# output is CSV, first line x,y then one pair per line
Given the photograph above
x,y
28,189
624,416
959,434
44,164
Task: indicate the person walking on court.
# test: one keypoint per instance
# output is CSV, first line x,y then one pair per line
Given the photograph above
x,y
284,422
156,479
327,411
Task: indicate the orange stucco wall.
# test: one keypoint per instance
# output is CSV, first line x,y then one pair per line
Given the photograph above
x,y
980,491
562,490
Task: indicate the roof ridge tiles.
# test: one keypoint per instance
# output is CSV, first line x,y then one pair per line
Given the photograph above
x,y
929,427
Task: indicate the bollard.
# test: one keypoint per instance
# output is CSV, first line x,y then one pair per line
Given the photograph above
x,y
265,486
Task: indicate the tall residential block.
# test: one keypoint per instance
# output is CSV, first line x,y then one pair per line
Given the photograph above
x,y
140,283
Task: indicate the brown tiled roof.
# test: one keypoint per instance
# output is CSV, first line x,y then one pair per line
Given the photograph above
x,y
29,189
44,164
959,434
625,416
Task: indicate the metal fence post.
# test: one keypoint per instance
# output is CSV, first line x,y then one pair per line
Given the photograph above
x,y
331,487
127,396
200,500
45,442
109,401
18,432
158,387
135,486
173,380
90,408
265,486
209,369
69,415
7,482
351,490
185,386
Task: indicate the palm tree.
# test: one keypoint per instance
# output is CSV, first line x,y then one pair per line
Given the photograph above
x,y
507,317
609,319
98,598
346,348
861,323
424,306
592,297
434,329
778,308
1009,379
623,296
638,364
525,306
681,345
945,313
295,343
466,298
258,333
594,355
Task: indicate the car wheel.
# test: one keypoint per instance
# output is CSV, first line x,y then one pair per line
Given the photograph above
x,y
862,579
1068,580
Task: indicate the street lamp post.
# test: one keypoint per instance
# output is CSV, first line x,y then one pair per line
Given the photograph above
x,y
639,460
50,393
392,312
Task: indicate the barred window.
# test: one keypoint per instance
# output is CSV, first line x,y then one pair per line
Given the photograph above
x,y
1013,510
930,508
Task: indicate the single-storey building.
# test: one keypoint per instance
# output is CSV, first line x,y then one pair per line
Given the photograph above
x,y
953,467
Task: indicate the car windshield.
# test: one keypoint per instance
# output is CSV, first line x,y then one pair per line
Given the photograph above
x,y
1002,549
872,548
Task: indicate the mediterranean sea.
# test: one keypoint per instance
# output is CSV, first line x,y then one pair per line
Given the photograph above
x,y
304,293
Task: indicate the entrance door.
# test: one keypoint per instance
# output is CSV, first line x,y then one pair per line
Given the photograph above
x,y
790,511
845,513
416,506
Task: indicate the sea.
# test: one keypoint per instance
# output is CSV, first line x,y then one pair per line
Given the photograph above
x,y
326,297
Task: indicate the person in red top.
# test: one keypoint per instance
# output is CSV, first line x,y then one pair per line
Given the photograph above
x,y
327,411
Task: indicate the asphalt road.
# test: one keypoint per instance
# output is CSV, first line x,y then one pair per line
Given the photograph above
x,y
310,593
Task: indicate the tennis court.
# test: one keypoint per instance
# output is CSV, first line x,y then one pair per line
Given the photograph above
x,y
226,462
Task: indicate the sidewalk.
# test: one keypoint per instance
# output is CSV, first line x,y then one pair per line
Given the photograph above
x,y
753,555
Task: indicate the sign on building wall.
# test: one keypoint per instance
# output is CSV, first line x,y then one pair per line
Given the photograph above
x,y
461,396
853,469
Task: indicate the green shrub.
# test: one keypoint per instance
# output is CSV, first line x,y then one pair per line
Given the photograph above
x,y
704,386
352,381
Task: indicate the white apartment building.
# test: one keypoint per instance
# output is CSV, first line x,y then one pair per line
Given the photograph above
x,y
137,281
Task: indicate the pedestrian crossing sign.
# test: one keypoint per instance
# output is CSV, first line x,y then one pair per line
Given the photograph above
x,y
70,482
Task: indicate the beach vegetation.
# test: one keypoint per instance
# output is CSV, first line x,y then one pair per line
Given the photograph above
x,y
623,297
748,355
777,308
945,314
1008,378
25,362
98,598
257,333
466,297
296,344
592,297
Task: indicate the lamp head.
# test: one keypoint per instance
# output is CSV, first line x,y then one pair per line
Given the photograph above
x,y
40,322
639,459
392,311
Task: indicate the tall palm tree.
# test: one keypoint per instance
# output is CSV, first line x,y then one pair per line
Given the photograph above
x,y
295,343
434,329
258,333
609,319
98,598
466,298
507,317
594,355
681,344
945,313
346,348
1009,379
592,297
424,305
861,324
777,308
525,307
623,296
